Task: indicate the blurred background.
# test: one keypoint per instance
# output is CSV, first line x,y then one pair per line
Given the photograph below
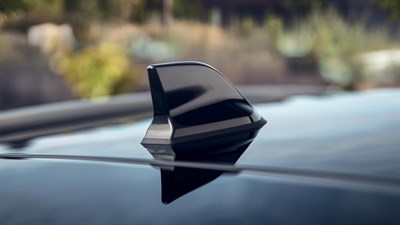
x,y
55,50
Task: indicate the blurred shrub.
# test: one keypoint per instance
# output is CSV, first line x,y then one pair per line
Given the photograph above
x,y
296,43
274,28
335,36
247,26
335,43
342,71
338,42
201,39
98,70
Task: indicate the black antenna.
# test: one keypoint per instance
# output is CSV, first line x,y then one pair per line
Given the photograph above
x,y
194,103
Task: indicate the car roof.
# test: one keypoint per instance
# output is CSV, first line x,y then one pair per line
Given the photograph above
x,y
68,192
348,132
331,158
355,133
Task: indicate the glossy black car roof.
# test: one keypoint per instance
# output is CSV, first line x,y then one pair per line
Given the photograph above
x,y
329,159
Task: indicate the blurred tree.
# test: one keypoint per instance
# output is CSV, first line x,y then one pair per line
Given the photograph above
x,y
298,8
181,9
167,12
145,9
24,13
87,9
125,9
184,9
9,6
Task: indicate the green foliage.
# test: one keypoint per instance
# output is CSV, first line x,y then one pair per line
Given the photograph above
x,y
184,9
9,6
274,28
87,9
335,36
145,9
98,70
334,43
393,6
342,71
338,42
247,26
33,11
298,42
